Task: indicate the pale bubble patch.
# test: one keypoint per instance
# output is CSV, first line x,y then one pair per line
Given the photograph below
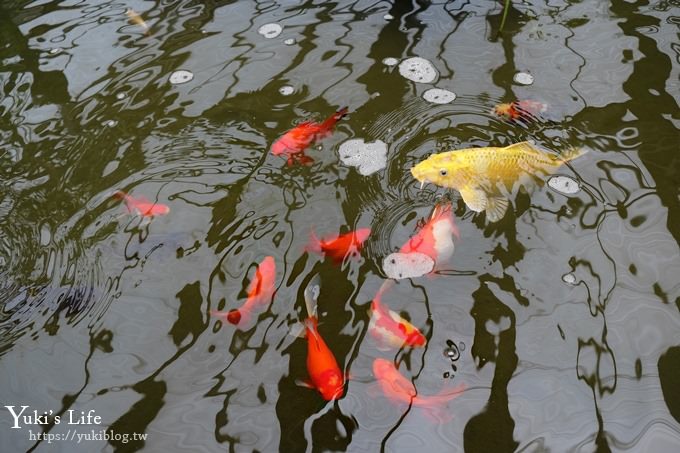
x,y
286,90
367,157
418,70
270,31
439,96
523,78
181,76
407,265
564,185
389,61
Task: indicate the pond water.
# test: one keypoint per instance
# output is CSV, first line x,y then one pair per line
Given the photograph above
x,y
560,322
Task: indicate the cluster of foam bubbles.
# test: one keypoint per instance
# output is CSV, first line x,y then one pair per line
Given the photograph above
x,y
366,157
390,61
569,279
564,185
418,69
181,76
439,96
523,78
286,90
407,265
270,31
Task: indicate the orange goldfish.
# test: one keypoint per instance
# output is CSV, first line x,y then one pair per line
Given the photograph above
x,y
434,239
400,390
480,173
294,142
136,19
337,247
324,372
260,293
391,329
141,205
525,109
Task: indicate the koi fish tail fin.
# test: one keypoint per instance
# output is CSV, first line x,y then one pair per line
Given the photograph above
x,y
314,244
387,284
312,295
334,118
573,153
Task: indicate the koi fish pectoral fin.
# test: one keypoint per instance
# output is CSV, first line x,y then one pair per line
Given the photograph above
x,y
474,198
304,383
496,208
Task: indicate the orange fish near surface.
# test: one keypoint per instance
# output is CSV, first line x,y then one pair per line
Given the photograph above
x,y
337,247
400,390
390,329
294,142
260,293
141,205
324,373
434,239
525,109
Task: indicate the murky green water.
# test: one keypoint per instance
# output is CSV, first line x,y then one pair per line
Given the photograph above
x,y
566,313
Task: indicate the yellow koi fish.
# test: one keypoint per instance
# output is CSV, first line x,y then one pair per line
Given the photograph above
x,y
477,172
136,19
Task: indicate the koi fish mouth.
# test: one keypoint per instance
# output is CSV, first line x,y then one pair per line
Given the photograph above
x,y
415,171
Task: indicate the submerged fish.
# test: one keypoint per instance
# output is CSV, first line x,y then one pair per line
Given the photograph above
x,y
260,293
477,172
324,372
390,329
435,238
294,142
524,109
400,390
135,18
141,205
337,247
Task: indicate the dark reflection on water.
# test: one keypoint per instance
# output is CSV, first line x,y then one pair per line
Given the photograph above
x,y
570,304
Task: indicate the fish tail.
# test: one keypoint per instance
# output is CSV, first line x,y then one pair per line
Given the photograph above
x,y
334,118
314,244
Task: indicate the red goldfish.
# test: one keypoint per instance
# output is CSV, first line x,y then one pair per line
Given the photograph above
x,y
391,329
337,247
399,389
434,238
324,372
525,109
141,205
294,142
260,292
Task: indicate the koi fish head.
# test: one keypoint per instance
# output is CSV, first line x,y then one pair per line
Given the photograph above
x,y
331,384
439,169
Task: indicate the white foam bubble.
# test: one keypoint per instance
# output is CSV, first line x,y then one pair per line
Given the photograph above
x,y
439,96
367,157
181,76
523,78
289,42
110,123
389,61
418,70
270,31
564,185
569,279
120,96
286,90
407,265
55,50
388,17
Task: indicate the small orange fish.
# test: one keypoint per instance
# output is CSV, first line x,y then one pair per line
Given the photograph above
x,y
400,390
324,373
434,239
135,18
260,292
525,109
391,329
141,205
294,142
337,247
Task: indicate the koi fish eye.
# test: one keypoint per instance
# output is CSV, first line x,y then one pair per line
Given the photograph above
x,y
443,172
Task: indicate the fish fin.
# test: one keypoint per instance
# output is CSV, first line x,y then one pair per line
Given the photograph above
x,y
474,198
314,244
298,330
290,161
304,383
496,208
573,153
527,146
312,295
334,118
310,326
305,159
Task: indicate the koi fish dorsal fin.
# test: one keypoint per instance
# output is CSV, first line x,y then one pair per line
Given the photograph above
x,y
496,207
521,146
